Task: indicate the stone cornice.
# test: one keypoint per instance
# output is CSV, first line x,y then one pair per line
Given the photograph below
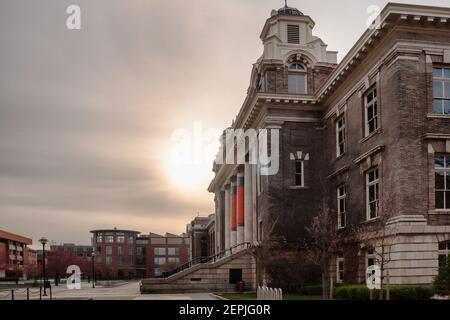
x,y
368,154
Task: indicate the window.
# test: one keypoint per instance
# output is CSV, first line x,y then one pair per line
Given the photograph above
x,y
173,251
173,260
373,193
299,176
340,268
120,238
371,111
297,67
371,261
99,238
160,261
109,238
340,136
108,250
444,253
130,251
160,251
140,251
441,89
442,181
130,260
131,238
158,272
293,33
121,260
120,250
297,79
108,260
342,206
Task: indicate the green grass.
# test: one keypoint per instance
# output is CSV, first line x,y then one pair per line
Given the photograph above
x,y
252,296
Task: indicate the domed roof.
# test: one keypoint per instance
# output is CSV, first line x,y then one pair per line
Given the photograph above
x,y
288,11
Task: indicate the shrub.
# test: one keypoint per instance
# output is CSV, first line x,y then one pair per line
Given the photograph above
x,y
441,284
313,290
403,293
361,292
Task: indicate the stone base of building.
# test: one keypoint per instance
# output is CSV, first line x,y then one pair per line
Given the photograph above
x,y
208,277
414,254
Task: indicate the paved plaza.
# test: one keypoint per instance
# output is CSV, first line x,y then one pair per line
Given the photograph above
x,y
125,291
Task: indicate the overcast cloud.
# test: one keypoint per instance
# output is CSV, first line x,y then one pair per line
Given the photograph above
x,y
86,116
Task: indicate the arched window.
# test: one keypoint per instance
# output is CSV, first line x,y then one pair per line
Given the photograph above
x,y
297,78
297,67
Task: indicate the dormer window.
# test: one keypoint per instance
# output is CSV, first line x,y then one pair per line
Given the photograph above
x,y
297,78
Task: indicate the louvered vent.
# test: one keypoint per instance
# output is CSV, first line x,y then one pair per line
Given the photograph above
x,y
293,33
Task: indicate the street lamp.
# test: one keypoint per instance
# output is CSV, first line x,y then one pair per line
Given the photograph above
x,y
44,241
93,268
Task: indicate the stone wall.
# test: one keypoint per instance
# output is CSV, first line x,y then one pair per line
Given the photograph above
x,y
209,277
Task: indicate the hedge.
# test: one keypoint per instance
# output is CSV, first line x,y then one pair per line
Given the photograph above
x,y
358,292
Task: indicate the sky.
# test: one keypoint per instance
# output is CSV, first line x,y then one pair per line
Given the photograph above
x,y
87,117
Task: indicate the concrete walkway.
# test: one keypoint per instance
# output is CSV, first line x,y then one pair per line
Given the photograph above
x,y
126,291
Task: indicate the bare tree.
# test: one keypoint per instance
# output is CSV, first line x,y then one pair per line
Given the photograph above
x,y
379,236
324,242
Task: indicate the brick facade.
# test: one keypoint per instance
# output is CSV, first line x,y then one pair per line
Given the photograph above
x,y
397,60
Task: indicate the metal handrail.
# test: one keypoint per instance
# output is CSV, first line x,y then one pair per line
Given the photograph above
x,y
200,260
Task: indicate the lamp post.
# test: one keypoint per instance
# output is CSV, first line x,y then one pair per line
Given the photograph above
x,y
44,241
93,269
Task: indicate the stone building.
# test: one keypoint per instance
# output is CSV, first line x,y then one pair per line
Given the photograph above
x,y
201,232
367,140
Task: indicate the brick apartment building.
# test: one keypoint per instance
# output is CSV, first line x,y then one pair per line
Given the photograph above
x,y
366,139
129,254
16,259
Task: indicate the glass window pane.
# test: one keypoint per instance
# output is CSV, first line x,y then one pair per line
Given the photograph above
x,y
447,89
298,167
440,200
437,72
370,113
447,73
439,181
438,89
447,161
442,260
439,162
447,200
372,126
437,106
442,246
298,180
446,106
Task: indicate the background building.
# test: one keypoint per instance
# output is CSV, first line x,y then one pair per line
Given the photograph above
x,y
201,232
128,254
16,260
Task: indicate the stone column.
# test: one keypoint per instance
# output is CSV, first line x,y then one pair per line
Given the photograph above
x,y
240,206
227,217
254,204
248,204
233,212
218,224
